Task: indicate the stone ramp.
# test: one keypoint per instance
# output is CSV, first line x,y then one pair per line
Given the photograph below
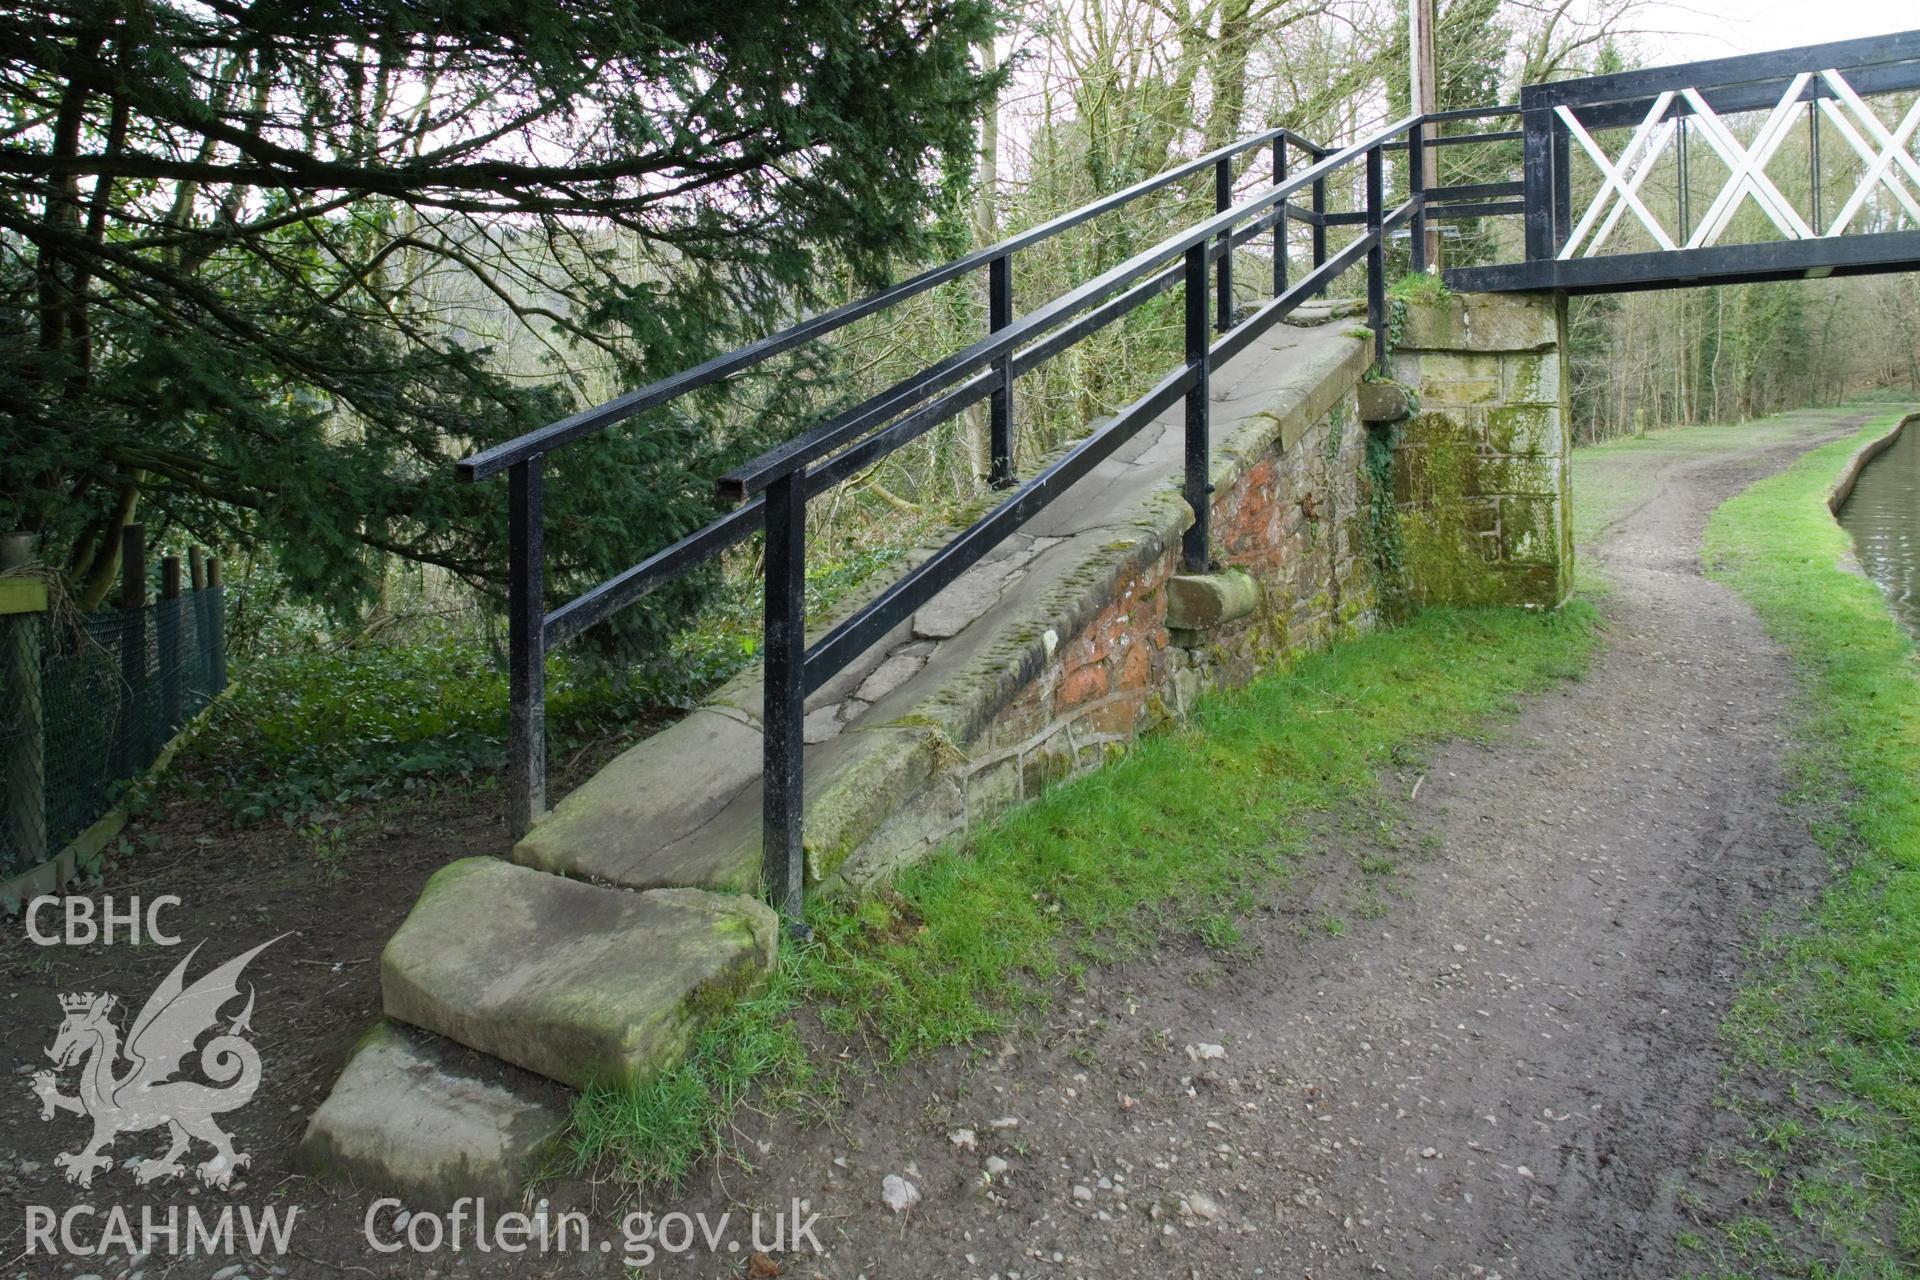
x,y
629,915
683,807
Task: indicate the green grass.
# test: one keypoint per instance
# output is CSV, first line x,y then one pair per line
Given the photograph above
x,y
1831,1020
1181,838
302,735
307,732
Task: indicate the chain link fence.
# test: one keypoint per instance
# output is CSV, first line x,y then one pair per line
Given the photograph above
x,y
89,701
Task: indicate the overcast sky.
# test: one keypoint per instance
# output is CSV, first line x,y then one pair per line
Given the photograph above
x,y
1715,28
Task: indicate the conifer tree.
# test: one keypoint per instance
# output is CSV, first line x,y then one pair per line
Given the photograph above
x,y
242,248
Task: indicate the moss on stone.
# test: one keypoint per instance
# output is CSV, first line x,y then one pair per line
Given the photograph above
x,y
1529,532
450,875
872,787
1524,429
1421,288
1444,562
1524,371
1533,476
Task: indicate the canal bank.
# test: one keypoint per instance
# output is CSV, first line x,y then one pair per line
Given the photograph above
x,y
1877,501
1825,1084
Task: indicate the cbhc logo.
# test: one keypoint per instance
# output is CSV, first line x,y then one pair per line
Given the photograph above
x,y
86,925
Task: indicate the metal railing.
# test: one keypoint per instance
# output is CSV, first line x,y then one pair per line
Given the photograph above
x,y
773,489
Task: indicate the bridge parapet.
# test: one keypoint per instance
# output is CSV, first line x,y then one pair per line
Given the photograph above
x,y
1481,470
1773,166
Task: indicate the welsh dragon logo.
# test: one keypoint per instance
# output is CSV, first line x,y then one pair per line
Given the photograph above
x,y
144,1095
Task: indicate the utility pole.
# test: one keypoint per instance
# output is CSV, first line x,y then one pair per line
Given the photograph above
x,y
1425,99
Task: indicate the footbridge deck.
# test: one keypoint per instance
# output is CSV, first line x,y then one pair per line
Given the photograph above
x,y
1793,164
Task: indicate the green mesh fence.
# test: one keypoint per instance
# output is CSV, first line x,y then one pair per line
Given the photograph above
x,y
113,689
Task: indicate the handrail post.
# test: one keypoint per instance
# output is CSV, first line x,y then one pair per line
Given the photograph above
x,y
1376,255
1536,168
784,700
1000,400
1280,220
1223,201
1417,191
1320,226
526,645
1198,488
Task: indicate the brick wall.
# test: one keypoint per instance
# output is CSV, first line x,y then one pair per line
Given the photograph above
x,y
1290,509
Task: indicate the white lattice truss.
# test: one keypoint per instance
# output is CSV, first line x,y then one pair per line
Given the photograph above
x,y
1890,164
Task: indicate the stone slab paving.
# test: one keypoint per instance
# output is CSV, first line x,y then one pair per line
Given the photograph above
x,y
577,982
412,1115
683,807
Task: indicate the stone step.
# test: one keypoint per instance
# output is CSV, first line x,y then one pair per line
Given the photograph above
x,y
422,1118
577,982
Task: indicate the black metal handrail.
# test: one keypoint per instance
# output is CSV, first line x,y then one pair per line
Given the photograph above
x,y
489,462
774,487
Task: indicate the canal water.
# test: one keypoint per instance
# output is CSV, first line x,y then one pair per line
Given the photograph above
x,y
1883,515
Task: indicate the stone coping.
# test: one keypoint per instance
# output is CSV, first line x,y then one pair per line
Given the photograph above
x,y
683,807
1850,474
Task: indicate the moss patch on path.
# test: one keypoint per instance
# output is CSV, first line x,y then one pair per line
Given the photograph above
x,y
1178,839
1829,1027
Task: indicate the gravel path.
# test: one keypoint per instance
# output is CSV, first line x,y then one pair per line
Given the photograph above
x,y
1510,1071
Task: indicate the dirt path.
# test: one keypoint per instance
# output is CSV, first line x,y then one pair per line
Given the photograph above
x,y
1510,1071
1505,1067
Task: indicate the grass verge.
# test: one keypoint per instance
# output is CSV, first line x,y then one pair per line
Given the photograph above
x,y
1830,1025
1176,839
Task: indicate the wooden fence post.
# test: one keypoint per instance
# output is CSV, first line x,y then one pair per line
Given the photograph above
x,y
216,625
202,633
22,739
171,611
133,648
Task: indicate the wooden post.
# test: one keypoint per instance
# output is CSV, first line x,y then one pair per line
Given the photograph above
x,y
202,656
132,738
1426,100
23,842
216,625
171,613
